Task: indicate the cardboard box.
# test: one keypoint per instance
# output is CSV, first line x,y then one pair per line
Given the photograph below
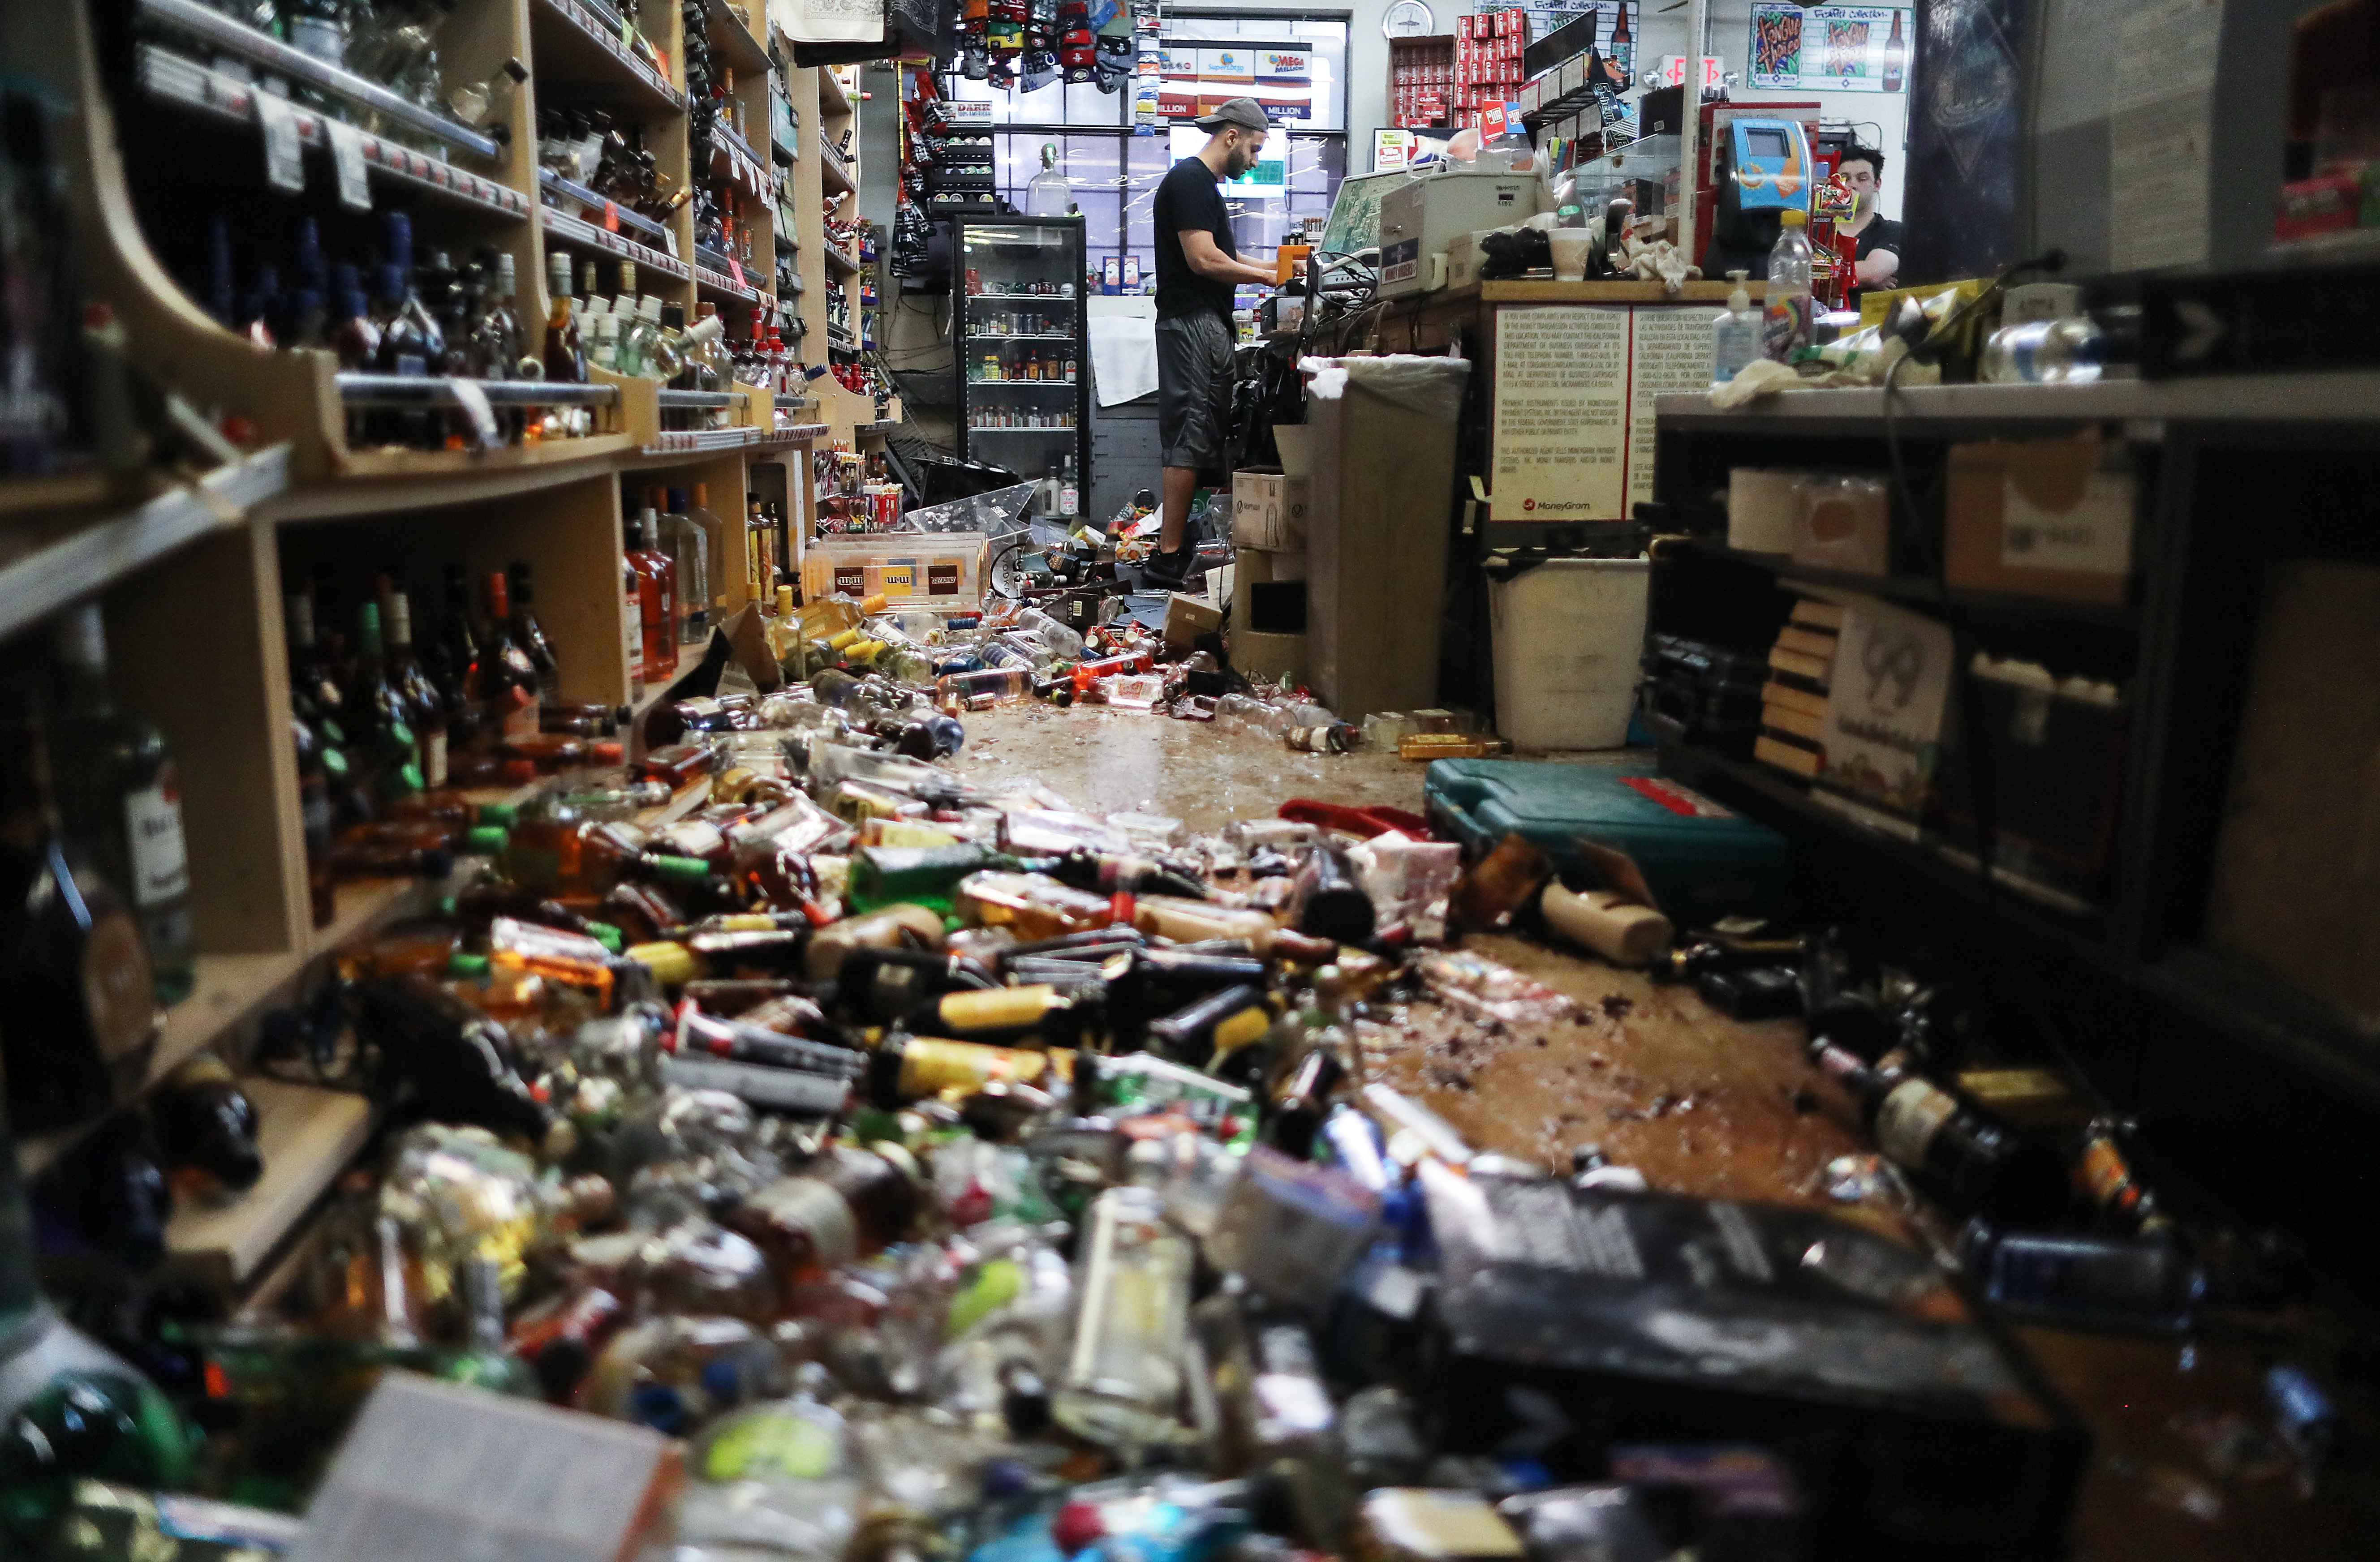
x,y
2042,518
1843,524
1269,510
1269,656
1256,566
1187,618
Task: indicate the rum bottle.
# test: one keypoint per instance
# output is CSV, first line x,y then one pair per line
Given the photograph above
x,y
81,1017
123,807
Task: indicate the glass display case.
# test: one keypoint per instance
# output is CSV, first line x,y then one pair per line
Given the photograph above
x,y
1024,359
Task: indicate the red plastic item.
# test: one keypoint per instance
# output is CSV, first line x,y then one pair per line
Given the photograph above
x,y
1378,819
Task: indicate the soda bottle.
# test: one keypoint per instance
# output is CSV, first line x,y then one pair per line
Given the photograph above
x,y
1785,322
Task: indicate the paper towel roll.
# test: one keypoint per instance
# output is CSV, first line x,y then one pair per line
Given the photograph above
x,y
1761,509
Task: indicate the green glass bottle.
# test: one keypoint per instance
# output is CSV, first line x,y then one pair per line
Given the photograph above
x,y
122,806
924,875
69,1411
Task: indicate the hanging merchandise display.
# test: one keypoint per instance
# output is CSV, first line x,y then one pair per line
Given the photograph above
x,y
1148,69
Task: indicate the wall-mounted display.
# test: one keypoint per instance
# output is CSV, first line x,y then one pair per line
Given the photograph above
x,y
1830,48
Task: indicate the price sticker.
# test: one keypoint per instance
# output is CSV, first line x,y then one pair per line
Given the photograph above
x,y
611,216
477,412
348,157
285,148
735,268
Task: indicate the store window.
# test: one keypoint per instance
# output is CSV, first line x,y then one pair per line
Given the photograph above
x,y
1113,173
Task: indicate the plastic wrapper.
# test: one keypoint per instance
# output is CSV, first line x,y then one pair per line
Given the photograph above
x,y
1292,1228
1409,881
1491,991
996,513
458,1193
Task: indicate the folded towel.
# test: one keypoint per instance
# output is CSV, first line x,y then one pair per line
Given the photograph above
x,y
1123,358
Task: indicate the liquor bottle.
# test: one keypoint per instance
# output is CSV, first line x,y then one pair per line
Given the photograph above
x,y
124,809
206,1128
1122,1377
1999,1170
318,28
70,1409
392,751
656,597
845,1205
1895,56
321,772
82,1016
565,355
460,675
722,546
1623,50
511,677
487,1361
425,706
632,620
689,549
531,634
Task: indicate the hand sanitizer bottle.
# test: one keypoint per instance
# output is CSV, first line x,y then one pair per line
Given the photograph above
x,y
1735,338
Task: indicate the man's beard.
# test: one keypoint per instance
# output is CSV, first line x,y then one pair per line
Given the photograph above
x,y
1238,161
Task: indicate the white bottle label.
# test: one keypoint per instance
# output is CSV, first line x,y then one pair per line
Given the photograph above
x,y
1069,501
1908,1118
152,825
636,636
433,759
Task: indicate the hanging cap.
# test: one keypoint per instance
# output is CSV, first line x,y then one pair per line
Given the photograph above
x,y
1246,113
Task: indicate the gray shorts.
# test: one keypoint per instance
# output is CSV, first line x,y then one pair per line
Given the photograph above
x,y
1193,389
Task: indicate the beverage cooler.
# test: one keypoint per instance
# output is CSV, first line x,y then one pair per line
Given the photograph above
x,y
1024,353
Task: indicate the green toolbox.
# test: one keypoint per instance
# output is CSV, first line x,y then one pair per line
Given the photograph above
x,y
1703,860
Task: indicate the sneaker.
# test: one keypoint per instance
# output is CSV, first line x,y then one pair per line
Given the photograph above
x,y
1168,572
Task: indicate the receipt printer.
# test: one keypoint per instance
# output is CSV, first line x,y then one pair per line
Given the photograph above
x,y
1418,221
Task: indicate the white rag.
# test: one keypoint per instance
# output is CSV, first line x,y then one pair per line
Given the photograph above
x,y
829,22
1123,358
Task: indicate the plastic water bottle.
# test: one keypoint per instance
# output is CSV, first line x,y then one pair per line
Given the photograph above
x,y
1735,338
1785,324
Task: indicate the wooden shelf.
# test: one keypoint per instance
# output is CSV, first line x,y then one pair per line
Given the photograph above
x,y
741,48
308,1136
641,226
2351,396
394,466
1916,590
169,78
688,657
572,230
839,263
96,553
2083,936
720,285
835,172
833,98
570,38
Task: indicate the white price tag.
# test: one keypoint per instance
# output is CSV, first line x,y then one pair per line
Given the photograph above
x,y
482,417
348,157
284,151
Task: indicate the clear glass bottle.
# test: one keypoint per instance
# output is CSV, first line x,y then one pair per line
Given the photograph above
x,y
1122,1374
124,807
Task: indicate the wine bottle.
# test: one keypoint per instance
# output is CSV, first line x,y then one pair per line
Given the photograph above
x,y
125,807
207,1129
81,1018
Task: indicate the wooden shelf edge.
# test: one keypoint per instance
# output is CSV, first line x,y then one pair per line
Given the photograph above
x,y
689,656
97,554
308,1136
1923,592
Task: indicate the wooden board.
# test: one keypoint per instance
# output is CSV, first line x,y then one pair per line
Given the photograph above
x,y
308,1136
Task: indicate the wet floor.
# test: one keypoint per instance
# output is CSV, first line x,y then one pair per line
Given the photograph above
x,y
1651,1075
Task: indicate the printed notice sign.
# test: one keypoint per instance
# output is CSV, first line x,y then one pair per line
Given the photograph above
x,y
1669,350
1561,398
1575,389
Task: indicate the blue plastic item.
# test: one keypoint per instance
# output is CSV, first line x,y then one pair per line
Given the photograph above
x,y
1703,860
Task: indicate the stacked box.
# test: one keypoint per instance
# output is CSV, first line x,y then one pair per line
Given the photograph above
x,y
1793,708
1421,79
1488,62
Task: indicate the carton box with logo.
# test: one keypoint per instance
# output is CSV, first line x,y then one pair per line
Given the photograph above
x,y
1269,510
941,570
2040,518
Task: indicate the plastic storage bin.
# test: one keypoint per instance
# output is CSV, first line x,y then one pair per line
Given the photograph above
x,y
1569,636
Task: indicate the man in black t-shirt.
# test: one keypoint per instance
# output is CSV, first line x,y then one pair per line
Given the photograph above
x,y
1197,269
1878,258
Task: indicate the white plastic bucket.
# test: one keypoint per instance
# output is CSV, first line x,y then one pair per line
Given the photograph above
x,y
1568,636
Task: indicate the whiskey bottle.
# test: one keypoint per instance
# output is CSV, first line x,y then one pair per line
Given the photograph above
x,y
566,356
425,706
81,1017
511,675
531,634
206,1130
391,751
460,672
123,808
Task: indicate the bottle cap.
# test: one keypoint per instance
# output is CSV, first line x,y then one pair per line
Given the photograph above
x,y
1795,219
466,967
680,870
503,814
486,841
603,933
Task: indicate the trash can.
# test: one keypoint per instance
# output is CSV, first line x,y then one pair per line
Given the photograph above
x,y
1568,635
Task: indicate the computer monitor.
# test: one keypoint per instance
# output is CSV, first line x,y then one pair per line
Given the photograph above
x,y
1354,222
